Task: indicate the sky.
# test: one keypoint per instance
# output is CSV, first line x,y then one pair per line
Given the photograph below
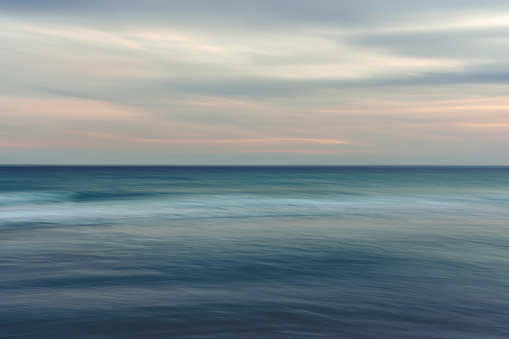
x,y
247,82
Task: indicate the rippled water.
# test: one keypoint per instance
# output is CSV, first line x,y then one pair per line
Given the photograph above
x,y
254,252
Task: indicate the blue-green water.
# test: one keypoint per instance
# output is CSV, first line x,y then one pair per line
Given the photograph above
x,y
254,252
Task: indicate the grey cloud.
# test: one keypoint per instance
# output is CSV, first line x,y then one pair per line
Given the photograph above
x,y
150,92
248,13
203,78
445,44
466,77
257,87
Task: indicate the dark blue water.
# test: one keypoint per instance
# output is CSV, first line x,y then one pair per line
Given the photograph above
x,y
254,252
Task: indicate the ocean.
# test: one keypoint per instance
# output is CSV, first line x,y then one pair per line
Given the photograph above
x,y
254,252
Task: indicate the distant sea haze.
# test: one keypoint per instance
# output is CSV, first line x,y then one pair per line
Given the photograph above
x,y
254,252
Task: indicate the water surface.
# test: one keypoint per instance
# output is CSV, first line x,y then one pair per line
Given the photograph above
x,y
254,252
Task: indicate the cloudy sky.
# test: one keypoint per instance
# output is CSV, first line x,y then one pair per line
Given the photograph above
x,y
254,82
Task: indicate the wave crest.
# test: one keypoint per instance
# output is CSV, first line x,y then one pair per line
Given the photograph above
x,y
31,198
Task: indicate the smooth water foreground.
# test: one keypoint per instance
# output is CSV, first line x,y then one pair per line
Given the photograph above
x,y
254,252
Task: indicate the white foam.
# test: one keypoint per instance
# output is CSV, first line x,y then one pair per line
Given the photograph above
x,y
220,206
26,198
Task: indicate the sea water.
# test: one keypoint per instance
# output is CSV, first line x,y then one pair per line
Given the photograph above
x,y
254,252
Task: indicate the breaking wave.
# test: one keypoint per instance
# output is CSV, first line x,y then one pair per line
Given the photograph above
x,y
85,208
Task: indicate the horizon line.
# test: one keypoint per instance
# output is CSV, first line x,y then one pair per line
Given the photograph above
x,y
253,165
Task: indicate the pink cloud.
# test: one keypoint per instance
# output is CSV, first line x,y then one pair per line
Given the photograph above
x,y
485,125
243,141
6,143
460,107
304,151
64,108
